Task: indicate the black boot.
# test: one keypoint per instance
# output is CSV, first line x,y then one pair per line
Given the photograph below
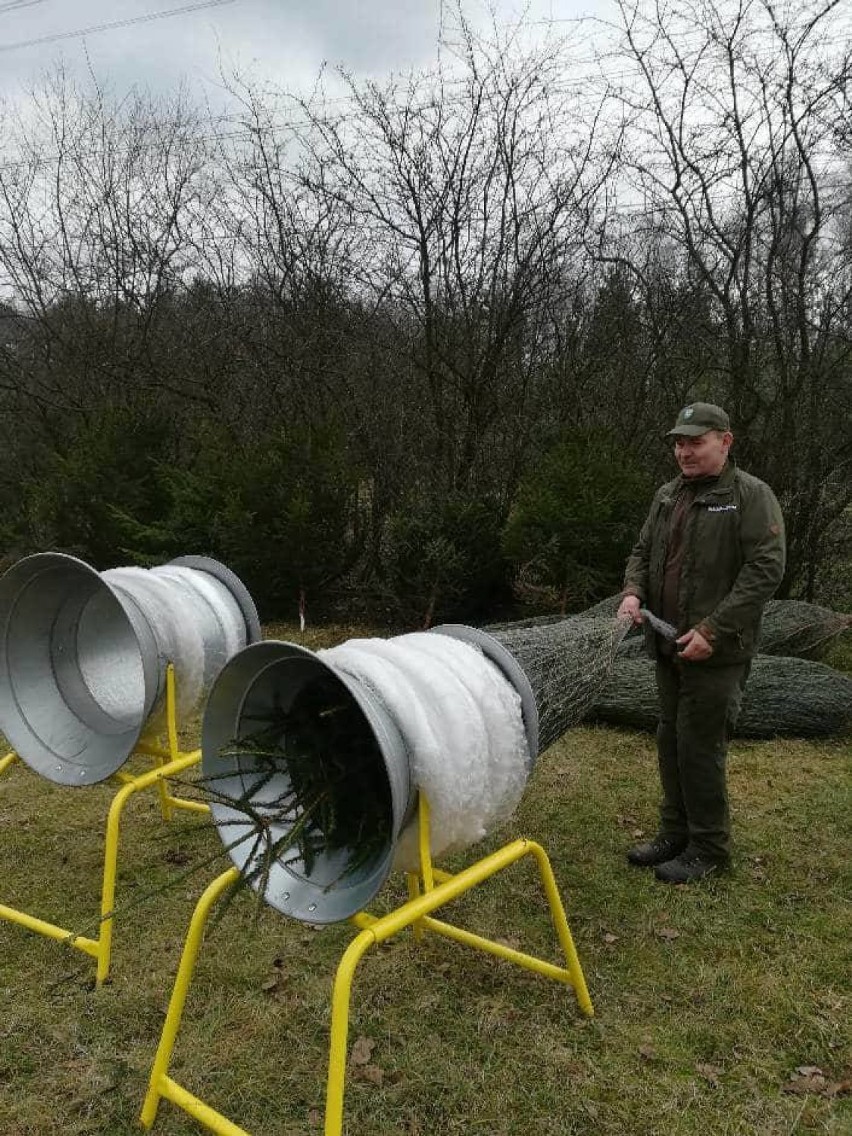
x,y
688,868
656,851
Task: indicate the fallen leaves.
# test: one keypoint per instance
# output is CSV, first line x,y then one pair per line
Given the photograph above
x,y
313,929
273,983
362,1051
756,868
710,1073
627,821
647,1051
811,1080
362,1067
804,1084
669,934
372,1073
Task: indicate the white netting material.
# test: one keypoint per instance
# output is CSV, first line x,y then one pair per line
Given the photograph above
x,y
196,623
461,722
220,620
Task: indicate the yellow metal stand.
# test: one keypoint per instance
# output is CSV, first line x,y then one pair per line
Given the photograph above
x,y
429,889
170,761
6,761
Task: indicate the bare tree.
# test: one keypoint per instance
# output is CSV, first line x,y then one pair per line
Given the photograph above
x,y
735,119
97,208
473,187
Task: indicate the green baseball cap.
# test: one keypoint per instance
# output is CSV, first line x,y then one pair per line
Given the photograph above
x,y
698,418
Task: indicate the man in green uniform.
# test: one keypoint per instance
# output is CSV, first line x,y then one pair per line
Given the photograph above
x,y
710,554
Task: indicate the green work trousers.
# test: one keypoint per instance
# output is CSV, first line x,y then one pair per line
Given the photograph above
x,y
698,710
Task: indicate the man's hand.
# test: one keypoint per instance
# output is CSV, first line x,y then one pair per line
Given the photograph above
x,y
693,647
629,607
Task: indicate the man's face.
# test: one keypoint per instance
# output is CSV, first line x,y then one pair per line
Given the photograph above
x,y
703,456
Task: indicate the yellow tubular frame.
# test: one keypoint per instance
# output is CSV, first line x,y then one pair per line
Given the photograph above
x,y
428,890
170,762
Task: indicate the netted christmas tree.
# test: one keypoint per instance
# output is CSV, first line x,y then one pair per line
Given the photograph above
x,y
567,662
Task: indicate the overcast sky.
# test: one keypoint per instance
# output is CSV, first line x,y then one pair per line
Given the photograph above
x,y
284,40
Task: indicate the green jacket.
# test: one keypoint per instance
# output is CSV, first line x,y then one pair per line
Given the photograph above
x,y
733,563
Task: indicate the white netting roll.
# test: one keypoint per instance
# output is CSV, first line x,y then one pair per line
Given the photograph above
x,y
174,618
219,619
461,722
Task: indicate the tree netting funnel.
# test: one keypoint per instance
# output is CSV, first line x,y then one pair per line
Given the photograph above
x,y
348,737
334,746
83,655
274,684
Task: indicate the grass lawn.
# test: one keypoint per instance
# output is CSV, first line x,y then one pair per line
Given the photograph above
x,y
723,1008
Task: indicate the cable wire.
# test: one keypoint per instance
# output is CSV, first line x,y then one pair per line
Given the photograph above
x,y
56,36
14,5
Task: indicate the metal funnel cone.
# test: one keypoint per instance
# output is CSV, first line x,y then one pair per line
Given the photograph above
x,y
275,705
82,662
265,684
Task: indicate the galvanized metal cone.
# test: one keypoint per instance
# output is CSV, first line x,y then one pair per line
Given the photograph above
x,y
263,681
258,684
81,668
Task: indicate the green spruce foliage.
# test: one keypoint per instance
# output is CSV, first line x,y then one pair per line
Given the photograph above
x,y
314,784
443,561
71,496
574,519
280,509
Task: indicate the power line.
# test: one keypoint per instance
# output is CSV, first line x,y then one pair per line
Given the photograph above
x,y
15,4
580,83
56,36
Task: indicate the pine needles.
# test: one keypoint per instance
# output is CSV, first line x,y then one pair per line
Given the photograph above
x,y
313,786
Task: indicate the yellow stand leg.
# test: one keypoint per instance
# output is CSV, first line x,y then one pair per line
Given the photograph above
x,y
6,761
168,802
161,1084
171,763
154,777
428,890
